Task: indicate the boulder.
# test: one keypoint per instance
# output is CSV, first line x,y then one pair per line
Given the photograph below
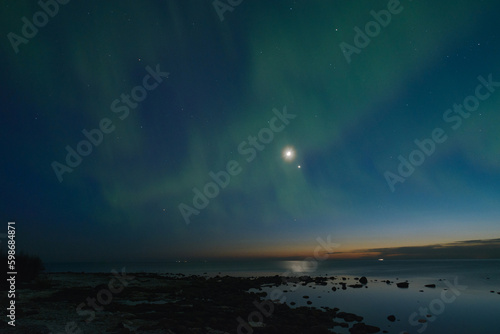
x,y
362,328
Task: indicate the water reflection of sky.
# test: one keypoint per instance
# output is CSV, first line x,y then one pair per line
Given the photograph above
x,y
471,311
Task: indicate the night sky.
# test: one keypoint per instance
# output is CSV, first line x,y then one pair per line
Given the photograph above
x,y
302,120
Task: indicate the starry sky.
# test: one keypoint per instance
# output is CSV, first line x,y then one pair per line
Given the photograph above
x,y
163,98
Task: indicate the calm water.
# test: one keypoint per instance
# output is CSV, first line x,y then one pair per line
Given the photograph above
x,y
401,268
467,306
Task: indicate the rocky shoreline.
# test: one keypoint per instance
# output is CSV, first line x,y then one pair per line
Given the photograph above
x,y
122,303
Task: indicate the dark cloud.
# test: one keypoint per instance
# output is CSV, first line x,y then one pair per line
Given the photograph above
x,y
467,249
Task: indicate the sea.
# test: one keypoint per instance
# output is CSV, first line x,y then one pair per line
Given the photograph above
x,y
465,299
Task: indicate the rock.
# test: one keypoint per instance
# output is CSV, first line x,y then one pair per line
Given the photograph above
x,y
430,285
361,328
356,285
309,302
402,284
391,318
349,317
363,280
334,289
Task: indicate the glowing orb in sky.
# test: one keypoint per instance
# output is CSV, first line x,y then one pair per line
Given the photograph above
x,y
288,153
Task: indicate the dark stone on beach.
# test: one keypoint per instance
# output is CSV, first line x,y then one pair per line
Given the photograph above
x,y
321,280
363,280
498,293
309,302
349,317
343,278
292,303
492,291
420,290
402,284
356,286
334,289
430,285
306,297
361,328
391,318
